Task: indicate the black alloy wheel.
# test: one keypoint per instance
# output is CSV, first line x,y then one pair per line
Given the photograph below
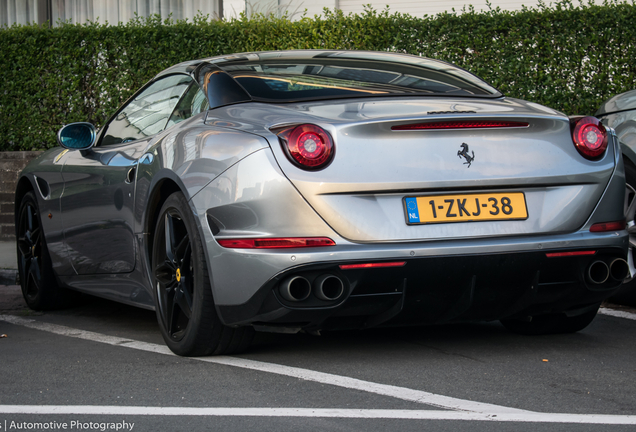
x,y
184,304
37,280
174,276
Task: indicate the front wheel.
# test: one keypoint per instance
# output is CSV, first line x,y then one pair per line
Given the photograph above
x,y
184,304
39,286
552,323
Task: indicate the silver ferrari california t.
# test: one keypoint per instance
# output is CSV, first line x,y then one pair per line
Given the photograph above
x,y
318,190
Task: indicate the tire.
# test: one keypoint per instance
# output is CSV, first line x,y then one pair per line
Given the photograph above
x,y
627,294
184,304
37,280
551,323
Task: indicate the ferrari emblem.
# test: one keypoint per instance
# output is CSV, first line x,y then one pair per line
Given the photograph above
x,y
178,275
463,153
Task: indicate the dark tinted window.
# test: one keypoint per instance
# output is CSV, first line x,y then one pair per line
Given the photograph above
x,y
192,103
276,76
148,113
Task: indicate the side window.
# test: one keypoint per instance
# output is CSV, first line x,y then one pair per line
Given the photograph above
x,y
191,104
148,113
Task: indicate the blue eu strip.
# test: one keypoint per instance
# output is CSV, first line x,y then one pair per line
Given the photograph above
x,y
412,210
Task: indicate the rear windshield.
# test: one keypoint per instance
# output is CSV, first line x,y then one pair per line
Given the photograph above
x,y
328,75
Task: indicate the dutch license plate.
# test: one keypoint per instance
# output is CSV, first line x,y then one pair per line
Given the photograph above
x,y
465,208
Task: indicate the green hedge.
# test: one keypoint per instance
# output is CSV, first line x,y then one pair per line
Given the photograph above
x,y
567,57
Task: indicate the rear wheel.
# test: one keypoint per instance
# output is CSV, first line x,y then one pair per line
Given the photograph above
x,y
552,323
183,296
38,283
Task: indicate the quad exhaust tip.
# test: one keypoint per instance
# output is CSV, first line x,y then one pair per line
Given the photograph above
x,y
328,287
598,272
295,288
619,269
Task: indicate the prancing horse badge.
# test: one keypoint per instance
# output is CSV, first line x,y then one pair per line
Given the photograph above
x,y
463,153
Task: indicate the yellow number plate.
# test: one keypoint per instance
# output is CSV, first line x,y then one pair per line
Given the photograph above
x,y
465,208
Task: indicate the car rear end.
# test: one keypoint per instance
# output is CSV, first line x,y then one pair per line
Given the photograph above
x,y
409,210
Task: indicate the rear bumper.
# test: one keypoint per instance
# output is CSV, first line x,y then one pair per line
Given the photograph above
x,y
451,279
432,288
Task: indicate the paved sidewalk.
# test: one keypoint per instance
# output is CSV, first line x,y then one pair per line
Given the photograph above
x,y
8,263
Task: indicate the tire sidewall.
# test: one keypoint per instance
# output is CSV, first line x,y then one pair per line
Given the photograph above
x,y
46,295
201,296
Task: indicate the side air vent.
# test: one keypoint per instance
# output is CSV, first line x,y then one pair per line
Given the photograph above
x,y
43,186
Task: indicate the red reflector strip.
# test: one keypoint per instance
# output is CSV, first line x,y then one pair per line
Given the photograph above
x,y
608,226
372,265
276,243
460,124
566,254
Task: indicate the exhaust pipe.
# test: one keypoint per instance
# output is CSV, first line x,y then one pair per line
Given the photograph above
x,y
619,269
295,288
328,287
598,272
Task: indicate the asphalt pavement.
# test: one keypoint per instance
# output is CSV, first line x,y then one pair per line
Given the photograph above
x,y
104,366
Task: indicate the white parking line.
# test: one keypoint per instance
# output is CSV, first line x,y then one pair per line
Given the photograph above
x,y
527,417
305,374
466,410
617,313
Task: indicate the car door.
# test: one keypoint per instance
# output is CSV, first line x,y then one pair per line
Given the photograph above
x,y
98,200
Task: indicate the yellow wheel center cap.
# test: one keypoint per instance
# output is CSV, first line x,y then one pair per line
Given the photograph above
x,y
178,275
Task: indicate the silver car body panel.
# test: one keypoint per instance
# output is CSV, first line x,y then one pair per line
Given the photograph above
x,y
360,194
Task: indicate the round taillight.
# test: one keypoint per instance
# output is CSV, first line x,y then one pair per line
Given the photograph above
x,y
590,137
308,146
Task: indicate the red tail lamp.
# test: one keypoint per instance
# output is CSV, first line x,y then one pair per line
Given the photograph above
x,y
307,146
589,136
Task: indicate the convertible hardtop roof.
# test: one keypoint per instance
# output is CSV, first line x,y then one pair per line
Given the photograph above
x,y
189,66
288,76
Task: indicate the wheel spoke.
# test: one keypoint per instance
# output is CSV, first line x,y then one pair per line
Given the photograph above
x,y
164,273
175,328
169,235
33,277
35,236
24,247
184,300
182,248
29,211
171,317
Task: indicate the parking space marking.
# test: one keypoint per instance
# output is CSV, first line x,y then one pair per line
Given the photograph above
x,y
527,417
290,371
462,409
617,313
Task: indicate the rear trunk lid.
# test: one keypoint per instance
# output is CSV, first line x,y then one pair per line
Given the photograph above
x,y
378,172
